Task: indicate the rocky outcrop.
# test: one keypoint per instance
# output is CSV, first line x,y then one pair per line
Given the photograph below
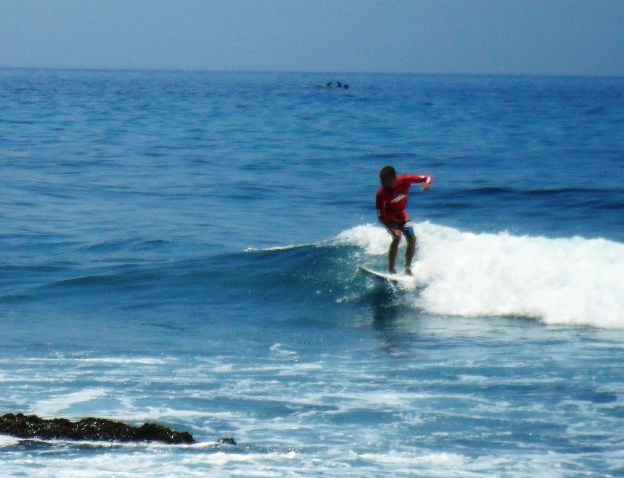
x,y
227,441
90,429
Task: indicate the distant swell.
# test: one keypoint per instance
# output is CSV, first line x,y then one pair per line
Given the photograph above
x,y
560,281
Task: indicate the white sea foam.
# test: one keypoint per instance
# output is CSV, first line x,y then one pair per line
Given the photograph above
x,y
6,440
158,461
374,240
277,248
127,361
56,404
279,349
560,281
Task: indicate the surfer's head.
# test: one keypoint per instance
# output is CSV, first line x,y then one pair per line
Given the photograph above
x,y
387,176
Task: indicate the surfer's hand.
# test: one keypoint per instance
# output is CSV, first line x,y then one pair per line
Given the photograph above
x,y
426,186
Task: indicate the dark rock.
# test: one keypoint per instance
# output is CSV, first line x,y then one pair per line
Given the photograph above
x,y
92,429
227,441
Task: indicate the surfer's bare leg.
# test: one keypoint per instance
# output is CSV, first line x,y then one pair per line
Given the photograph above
x,y
409,253
393,251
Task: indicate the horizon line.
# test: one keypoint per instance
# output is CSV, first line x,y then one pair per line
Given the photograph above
x,y
308,72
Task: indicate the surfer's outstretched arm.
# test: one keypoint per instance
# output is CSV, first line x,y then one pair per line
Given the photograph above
x,y
415,179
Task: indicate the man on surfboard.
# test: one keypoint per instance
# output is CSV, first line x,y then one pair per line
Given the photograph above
x,y
391,201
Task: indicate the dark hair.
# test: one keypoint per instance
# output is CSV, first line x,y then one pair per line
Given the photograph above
x,y
387,172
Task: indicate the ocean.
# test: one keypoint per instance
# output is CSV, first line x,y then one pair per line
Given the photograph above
x,y
182,247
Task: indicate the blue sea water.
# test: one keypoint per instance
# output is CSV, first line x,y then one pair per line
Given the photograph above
x,y
182,247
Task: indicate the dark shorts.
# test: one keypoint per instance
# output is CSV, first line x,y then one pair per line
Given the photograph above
x,y
407,228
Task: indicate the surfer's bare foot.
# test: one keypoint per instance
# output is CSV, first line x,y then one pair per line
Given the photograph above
x,y
408,272
392,271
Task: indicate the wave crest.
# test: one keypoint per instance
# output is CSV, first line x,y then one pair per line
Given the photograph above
x,y
574,281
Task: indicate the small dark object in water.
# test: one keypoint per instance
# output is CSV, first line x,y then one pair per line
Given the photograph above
x,y
227,441
96,429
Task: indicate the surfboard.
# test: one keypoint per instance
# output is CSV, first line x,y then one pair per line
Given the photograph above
x,y
394,278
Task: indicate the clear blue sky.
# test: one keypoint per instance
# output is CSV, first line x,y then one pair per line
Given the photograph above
x,y
544,37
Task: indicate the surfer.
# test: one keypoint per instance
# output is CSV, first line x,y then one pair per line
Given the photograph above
x,y
391,202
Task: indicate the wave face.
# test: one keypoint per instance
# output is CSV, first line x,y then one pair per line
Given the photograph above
x,y
560,281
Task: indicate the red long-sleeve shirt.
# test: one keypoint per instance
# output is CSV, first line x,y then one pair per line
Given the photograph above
x,y
391,203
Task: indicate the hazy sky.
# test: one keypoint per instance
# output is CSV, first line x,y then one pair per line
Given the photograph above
x,y
553,37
